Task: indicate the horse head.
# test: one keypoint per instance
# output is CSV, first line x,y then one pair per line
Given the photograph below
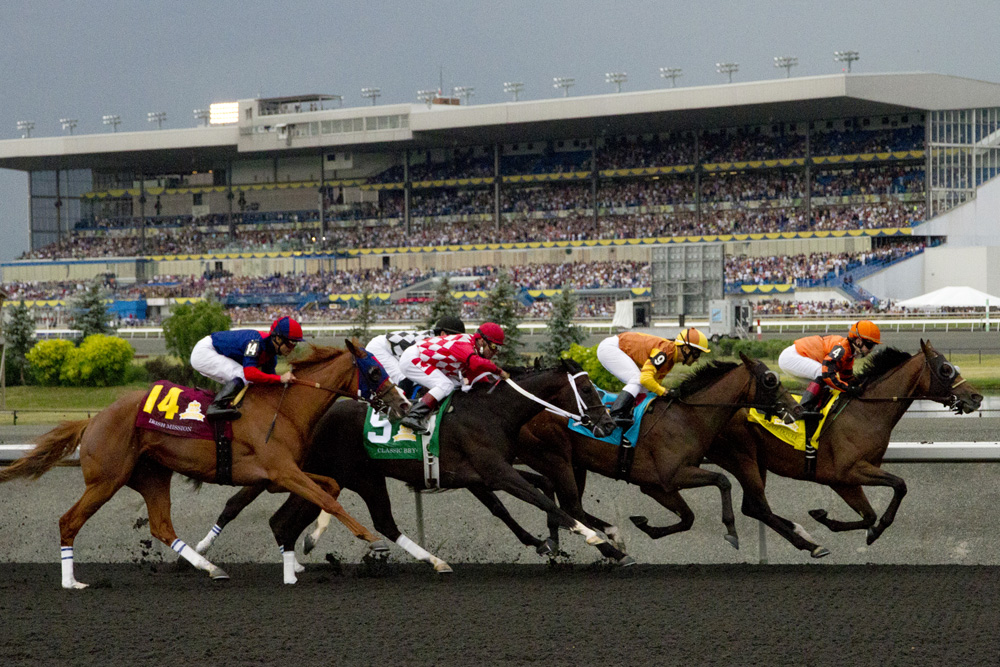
x,y
768,391
594,414
945,383
374,385
568,389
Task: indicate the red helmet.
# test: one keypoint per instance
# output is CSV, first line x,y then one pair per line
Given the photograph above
x,y
287,328
491,332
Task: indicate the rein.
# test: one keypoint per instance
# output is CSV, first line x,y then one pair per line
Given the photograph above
x,y
556,410
317,385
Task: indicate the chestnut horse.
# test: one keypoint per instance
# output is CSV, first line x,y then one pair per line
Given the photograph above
x,y
852,444
477,442
268,443
674,435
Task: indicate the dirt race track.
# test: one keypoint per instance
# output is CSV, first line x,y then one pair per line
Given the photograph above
x,y
141,614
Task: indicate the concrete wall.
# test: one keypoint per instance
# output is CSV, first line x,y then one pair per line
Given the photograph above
x,y
902,280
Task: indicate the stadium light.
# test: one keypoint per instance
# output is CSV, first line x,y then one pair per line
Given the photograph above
x,y
464,91
846,57
788,62
156,117
427,96
514,87
204,115
671,73
617,78
371,94
25,127
727,68
564,82
68,124
114,120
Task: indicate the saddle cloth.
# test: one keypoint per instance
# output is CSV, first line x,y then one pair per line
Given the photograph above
x,y
793,434
617,437
178,410
386,440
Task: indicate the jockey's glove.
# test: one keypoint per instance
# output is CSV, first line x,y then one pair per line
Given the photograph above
x,y
504,375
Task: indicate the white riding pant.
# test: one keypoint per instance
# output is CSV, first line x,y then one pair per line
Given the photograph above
x,y
795,364
381,350
619,364
207,361
438,384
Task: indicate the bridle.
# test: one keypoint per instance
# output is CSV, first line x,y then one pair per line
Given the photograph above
x,y
584,412
376,398
945,378
764,378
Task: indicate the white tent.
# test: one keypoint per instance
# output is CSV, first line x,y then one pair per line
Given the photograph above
x,y
951,297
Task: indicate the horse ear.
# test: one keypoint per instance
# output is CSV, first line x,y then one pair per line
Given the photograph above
x,y
352,346
746,360
925,347
538,363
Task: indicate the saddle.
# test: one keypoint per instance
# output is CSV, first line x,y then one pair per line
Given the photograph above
x,y
794,434
180,411
624,440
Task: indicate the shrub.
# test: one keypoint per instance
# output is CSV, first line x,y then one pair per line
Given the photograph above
x,y
587,358
100,361
46,360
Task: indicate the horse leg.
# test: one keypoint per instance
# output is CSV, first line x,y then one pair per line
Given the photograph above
x,y
865,474
497,509
612,531
94,496
153,482
322,523
236,504
308,486
691,477
856,499
331,487
755,506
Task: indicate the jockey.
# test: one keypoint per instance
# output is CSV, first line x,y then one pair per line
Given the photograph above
x,y
389,347
440,364
243,355
622,356
828,359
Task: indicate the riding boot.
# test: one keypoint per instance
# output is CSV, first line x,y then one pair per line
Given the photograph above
x,y
416,418
621,410
220,408
810,420
809,400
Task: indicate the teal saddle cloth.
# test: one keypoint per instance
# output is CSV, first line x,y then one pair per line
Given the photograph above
x,y
617,437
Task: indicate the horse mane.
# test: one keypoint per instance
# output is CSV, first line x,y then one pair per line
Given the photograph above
x,y
317,354
704,377
881,362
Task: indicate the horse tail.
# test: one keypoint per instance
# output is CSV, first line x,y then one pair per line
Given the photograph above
x,y
49,450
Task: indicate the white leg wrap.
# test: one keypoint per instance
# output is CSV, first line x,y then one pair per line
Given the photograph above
x,y
592,537
288,566
420,553
209,539
191,556
68,580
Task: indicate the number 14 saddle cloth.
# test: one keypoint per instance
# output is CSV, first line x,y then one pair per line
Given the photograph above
x,y
178,410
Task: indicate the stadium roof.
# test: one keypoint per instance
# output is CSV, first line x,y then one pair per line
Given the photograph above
x,y
793,100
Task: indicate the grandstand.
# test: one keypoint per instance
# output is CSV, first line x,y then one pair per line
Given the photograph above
x,y
842,189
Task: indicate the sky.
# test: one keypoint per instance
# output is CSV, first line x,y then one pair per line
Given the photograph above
x,y
83,59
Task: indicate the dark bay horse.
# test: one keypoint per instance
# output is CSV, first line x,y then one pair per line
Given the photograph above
x,y
851,446
674,436
114,453
477,441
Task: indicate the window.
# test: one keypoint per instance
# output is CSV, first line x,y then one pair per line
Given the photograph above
x,y
198,197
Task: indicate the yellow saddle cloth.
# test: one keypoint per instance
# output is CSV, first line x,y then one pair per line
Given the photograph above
x,y
793,434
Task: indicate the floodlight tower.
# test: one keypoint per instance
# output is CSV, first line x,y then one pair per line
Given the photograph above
x,y
513,87
68,124
727,68
203,115
156,117
846,57
114,120
671,73
371,94
427,96
564,82
617,78
788,62
25,127
464,92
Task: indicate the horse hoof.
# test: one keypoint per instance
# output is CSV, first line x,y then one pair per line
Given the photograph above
x,y
218,574
819,515
546,548
443,568
308,544
734,541
819,552
626,561
873,535
639,521
379,547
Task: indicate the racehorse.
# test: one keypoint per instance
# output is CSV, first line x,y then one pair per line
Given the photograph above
x,y
114,453
851,445
674,435
477,442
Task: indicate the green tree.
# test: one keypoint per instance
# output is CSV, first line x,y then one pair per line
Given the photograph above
x,y
90,314
364,319
20,330
189,323
444,303
562,332
501,306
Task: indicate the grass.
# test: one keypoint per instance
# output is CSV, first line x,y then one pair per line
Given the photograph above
x,y
48,405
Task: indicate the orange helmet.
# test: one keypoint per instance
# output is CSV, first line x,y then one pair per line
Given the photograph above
x,y
865,330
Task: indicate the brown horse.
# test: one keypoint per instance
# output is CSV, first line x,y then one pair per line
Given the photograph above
x,y
268,443
674,436
851,446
